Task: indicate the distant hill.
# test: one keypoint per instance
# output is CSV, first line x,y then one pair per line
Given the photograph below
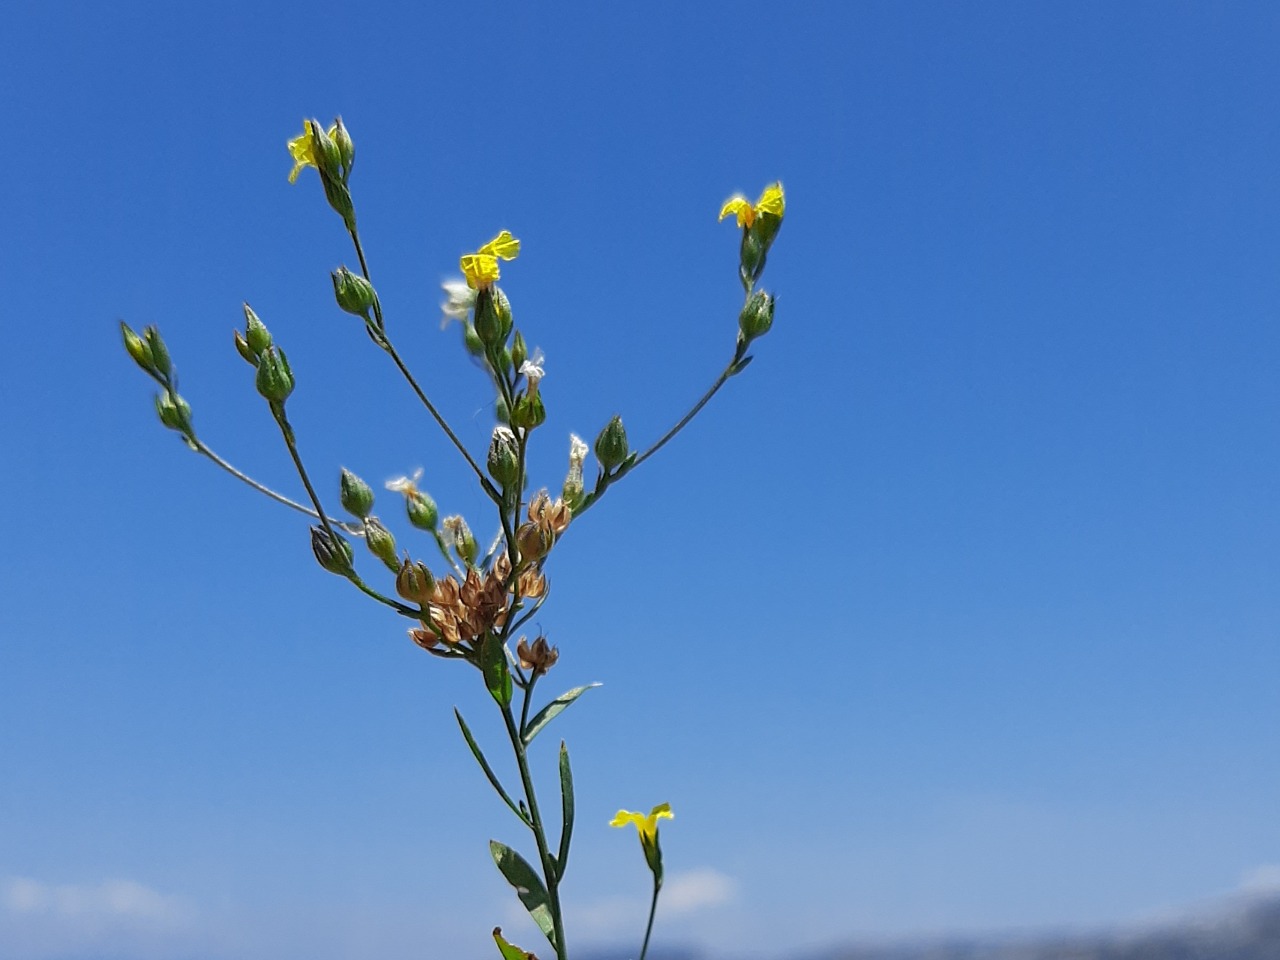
x,y
1246,930
1240,930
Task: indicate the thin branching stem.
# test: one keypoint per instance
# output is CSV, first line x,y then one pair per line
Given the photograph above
x,y
203,448
380,337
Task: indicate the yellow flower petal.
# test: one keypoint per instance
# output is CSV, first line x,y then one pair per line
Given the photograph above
x,y
626,816
772,201
504,245
646,825
480,269
738,204
303,151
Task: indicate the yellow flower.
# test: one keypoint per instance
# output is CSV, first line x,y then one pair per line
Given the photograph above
x,y
303,148
481,268
648,826
771,201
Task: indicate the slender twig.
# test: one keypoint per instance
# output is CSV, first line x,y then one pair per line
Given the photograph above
x,y
290,441
684,421
203,448
381,338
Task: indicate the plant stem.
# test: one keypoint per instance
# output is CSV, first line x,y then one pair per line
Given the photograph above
x,y
290,441
380,337
539,832
203,448
684,421
653,909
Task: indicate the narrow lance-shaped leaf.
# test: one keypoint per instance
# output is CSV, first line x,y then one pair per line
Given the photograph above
x,y
566,806
510,951
488,770
528,886
551,711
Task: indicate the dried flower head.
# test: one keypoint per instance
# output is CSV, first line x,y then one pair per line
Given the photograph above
x,y
538,657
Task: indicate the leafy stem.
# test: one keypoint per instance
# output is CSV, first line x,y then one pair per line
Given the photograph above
x,y
549,873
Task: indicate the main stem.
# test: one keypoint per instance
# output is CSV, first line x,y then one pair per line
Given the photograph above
x,y
539,832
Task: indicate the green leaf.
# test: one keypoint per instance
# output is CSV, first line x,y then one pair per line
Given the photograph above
x,y
566,806
488,770
740,366
528,886
551,711
510,951
493,663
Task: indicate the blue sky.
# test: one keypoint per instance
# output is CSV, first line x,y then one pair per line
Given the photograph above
x,y
957,612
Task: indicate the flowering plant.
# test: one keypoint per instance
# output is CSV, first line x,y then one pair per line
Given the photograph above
x,y
473,612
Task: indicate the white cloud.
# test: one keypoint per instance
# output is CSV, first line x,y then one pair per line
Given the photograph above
x,y
41,920
694,890
1264,879
122,899
683,895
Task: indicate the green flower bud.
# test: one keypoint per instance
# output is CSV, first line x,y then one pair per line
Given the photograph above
x,y
327,155
333,553
243,348
464,543
175,413
353,292
504,457
756,317
765,227
159,352
256,334
519,351
339,197
530,412
422,510
355,494
346,148
471,340
274,380
137,348
488,322
381,542
611,444
751,256
414,582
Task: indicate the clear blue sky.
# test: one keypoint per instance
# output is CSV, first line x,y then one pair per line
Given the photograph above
x,y
957,612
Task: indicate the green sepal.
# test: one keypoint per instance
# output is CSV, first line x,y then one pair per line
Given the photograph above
x,y
551,711
653,857
493,664
510,951
528,885
566,807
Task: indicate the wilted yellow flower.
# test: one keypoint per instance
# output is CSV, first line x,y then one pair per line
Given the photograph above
x,y
481,268
303,148
647,826
771,201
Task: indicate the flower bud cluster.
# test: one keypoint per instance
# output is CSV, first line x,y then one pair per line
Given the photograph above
x,y
149,352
